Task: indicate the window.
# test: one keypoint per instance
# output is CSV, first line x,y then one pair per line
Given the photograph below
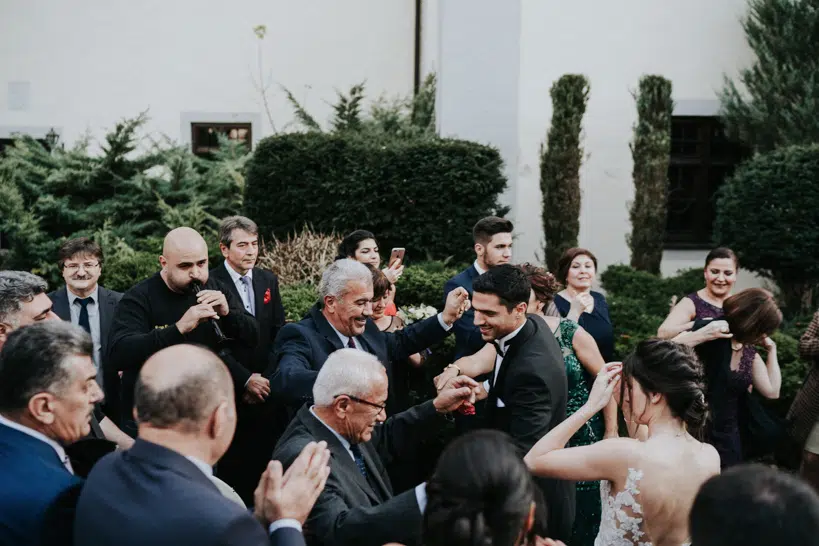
x,y
205,141
702,157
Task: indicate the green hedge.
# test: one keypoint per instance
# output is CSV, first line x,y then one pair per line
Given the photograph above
x,y
297,299
639,302
424,195
424,284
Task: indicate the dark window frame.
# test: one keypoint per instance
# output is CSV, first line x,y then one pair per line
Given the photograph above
x,y
701,159
205,150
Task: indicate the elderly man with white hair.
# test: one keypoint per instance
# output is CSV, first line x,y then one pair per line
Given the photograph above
x,y
341,319
357,506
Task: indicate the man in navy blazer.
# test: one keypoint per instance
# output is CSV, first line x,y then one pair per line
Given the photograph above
x,y
47,396
341,320
160,492
493,246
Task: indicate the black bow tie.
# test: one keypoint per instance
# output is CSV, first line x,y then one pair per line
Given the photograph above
x,y
498,349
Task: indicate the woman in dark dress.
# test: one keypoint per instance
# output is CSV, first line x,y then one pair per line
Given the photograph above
x,y
720,274
577,270
732,364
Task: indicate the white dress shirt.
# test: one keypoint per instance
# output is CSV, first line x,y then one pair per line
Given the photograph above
x,y
240,286
503,343
93,320
478,268
420,490
42,437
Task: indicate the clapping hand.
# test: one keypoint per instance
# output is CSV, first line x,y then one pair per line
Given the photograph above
x,y
292,495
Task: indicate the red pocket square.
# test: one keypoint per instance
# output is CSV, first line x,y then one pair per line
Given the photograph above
x,y
267,296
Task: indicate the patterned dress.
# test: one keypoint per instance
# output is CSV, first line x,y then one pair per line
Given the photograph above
x,y
587,518
703,309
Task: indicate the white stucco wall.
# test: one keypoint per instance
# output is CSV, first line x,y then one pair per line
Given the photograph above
x,y
91,63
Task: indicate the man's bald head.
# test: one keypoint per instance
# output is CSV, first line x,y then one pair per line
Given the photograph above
x,y
184,259
180,387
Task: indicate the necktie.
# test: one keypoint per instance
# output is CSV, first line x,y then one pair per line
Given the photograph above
x,y
84,322
359,459
249,303
351,343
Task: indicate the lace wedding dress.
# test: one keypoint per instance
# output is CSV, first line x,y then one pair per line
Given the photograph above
x,y
621,520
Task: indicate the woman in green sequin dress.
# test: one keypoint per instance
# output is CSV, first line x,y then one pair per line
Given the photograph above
x,y
583,362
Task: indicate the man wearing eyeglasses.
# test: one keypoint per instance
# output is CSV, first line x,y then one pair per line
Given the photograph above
x,y
82,301
358,506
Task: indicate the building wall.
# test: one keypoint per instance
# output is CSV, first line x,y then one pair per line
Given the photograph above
x,y
88,63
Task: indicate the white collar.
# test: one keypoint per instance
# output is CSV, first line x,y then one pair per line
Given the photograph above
x,y
72,297
342,439
344,339
39,436
206,469
235,275
504,341
478,268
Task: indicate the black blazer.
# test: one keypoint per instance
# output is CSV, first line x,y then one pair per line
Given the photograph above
x,y
269,314
350,511
107,305
301,349
467,336
532,385
152,495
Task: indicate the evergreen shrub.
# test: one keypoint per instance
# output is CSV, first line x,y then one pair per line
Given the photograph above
x,y
424,195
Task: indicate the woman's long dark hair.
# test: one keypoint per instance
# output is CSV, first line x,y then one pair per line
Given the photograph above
x,y
673,370
480,494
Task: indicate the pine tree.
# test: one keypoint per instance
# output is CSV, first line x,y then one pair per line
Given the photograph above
x,y
777,101
650,151
560,162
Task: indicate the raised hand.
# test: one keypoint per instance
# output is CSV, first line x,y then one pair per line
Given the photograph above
x,y
215,299
604,384
457,303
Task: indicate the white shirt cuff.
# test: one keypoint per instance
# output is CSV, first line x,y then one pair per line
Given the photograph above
x,y
279,523
443,324
421,496
486,386
248,381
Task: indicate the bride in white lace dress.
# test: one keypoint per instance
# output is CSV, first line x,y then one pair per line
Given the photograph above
x,y
648,483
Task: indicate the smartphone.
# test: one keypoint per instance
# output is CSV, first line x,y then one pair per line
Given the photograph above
x,y
396,255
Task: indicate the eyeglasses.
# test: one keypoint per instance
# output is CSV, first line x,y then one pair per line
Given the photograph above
x,y
381,407
76,267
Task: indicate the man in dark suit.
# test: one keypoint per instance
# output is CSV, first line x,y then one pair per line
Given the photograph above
x,y
84,302
47,396
180,304
160,492
341,319
260,420
493,246
527,392
357,506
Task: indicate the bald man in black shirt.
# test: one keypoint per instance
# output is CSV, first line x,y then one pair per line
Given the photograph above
x,y
164,310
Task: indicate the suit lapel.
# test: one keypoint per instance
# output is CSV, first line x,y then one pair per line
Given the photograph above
x,y
324,328
512,350
369,453
106,307
370,341
259,288
224,276
60,304
342,461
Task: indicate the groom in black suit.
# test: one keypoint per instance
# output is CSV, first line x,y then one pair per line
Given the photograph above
x,y
527,392
260,420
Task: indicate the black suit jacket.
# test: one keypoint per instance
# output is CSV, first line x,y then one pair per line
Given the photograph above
x,y
351,511
302,348
269,314
108,300
467,336
532,385
152,495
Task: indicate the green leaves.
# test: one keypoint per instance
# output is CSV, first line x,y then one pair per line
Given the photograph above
x,y
650,150
560,162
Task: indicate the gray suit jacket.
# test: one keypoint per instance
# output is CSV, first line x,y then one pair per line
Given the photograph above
x,y
107,305
352,511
